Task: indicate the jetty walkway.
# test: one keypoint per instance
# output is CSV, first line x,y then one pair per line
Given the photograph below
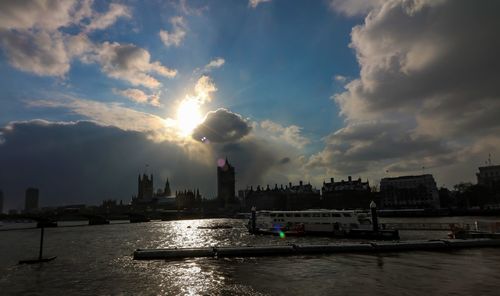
x,y
301,249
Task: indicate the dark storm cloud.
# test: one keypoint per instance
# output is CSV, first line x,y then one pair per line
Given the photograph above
x,y
362,147
85,163
428,87
222,126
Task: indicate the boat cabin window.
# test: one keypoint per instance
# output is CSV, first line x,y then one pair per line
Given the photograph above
x,y
280,215
316,215
326,215
336,215
297,215
265,214
347,215
307,215
273,215
289,215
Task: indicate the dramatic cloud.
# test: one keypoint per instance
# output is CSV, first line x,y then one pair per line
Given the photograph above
x,y
434,62
221,126
176,35
130,63
368,146
290,134
42,14
41,53
32,38
139,96
254,3
102,21
428,87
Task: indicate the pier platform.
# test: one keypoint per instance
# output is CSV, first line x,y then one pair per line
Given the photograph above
x,y
302,249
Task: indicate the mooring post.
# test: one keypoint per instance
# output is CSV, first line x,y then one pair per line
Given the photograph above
x,y
254,218
373,209
41,244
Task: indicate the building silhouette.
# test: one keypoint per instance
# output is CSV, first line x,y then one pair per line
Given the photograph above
x,y
265,198
409,192
489,177
31,200
146,194
289,197
350,194
302,197
226,183
145,187
188,199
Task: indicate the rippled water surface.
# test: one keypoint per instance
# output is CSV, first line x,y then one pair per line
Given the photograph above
x,y
96,260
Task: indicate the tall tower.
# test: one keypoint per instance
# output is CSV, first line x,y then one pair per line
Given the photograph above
x,y
225,183
167,191
145,187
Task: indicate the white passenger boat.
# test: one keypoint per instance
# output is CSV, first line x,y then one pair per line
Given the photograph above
x,y
337,222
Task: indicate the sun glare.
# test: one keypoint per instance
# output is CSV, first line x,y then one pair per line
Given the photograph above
x,y
188,116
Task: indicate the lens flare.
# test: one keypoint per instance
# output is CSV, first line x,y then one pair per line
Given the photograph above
x,y
282,234
221,162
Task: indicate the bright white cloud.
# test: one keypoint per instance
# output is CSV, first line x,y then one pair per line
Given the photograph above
x,y
176,35
204,88
289,134
255,3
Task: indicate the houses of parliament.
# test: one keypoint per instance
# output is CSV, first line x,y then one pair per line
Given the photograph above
x,y
185,199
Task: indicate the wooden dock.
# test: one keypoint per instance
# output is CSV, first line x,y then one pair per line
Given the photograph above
x,y
300,249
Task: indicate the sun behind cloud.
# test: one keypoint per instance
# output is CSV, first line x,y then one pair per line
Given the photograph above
x,y
188,116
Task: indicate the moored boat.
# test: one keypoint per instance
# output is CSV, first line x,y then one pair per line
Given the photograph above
x,y
334,222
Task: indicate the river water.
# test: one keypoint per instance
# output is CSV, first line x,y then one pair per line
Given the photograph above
x,y
96,260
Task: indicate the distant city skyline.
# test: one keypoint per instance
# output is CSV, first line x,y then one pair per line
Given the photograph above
x,y
92,91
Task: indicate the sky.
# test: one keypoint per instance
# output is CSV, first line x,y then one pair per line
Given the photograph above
x,y
94,93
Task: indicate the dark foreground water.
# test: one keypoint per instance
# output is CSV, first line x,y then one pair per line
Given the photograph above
x,y
96,260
